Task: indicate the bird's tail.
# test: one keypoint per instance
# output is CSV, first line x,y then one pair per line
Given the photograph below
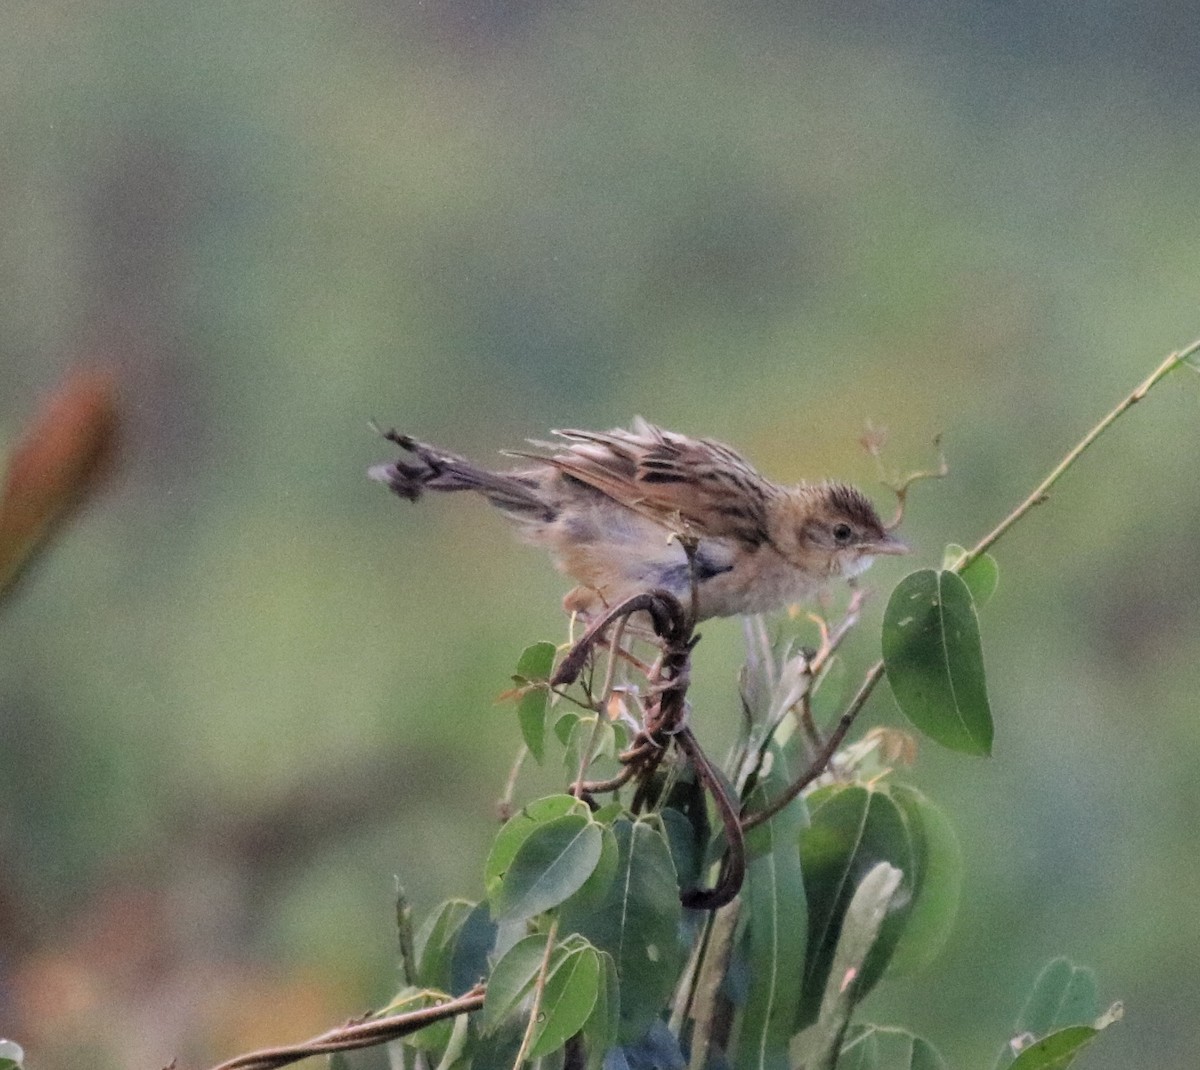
x,y
431,468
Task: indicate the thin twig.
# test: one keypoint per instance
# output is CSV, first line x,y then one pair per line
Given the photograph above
x,y
504,807
821,762
586,754
831,639
1039,493
539,990
357,1034
900,485
602,787
812,735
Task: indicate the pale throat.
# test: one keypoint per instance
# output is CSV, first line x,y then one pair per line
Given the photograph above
x,y
856,566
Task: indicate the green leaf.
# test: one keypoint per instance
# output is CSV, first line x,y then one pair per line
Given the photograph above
x,y
852,830
517,829
533,668
937,881
553,862
864,921
637,923
685,821
872,1047
1063,994
595,888
572,988
511,980
934,660
573,976
982,576
435,941
564,725
777,928
11,1055
585,735
1063,1001
1057,1051
473,944
609,812
600,1030
495,1051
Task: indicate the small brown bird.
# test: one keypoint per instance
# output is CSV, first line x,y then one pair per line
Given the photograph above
x,y
613,507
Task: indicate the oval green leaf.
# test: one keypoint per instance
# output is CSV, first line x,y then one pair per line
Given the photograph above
x,y
871,1047
865,919
517,829
435,941
1063,994
595,888
533,673
637,923
934,660
777,928
1057,1051
572,988
600,1030
982,576
851,832
511,980
553,862
937,881
473,943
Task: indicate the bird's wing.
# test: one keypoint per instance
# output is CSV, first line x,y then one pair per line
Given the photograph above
x,y
672,479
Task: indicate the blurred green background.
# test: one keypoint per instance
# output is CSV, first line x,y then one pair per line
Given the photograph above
x,y
249,689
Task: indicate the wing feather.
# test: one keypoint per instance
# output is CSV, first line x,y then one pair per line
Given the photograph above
x,y
669,478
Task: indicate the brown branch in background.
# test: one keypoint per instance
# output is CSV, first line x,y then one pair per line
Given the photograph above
x,y
357,1034
66,452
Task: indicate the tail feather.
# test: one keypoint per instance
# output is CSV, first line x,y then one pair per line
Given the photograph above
x,y
435,469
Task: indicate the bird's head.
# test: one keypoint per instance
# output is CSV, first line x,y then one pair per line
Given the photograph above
x,y
835,530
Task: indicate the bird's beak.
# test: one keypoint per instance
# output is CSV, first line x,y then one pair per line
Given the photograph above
x,y
889,544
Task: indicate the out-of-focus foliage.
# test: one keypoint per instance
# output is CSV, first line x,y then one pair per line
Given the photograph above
x,y
249,686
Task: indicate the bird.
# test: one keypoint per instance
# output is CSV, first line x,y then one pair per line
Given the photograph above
x,y
627,511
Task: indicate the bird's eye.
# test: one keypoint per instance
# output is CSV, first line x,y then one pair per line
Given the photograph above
x,y
842,534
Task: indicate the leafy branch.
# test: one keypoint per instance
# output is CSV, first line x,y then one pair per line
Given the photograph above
x,y
615,926
964,561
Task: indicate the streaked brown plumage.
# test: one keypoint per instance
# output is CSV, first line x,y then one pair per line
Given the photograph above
x,y
610,505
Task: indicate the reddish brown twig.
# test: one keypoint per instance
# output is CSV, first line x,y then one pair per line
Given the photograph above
x,y
357,1034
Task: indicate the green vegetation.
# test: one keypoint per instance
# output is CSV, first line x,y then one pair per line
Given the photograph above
x,y
248,688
